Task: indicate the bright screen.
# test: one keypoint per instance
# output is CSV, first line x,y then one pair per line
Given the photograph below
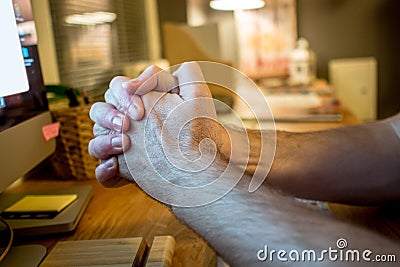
x,y
22,90
16,80
22,114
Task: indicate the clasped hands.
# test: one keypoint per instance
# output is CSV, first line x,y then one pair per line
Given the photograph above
x,y
154,117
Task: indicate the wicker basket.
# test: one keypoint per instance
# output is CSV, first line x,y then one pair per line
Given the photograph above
x,y
72,159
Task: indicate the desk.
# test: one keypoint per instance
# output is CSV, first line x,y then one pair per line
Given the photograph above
x,y
128,212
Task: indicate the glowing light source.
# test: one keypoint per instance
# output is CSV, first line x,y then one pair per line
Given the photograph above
x,y
228,5
93,18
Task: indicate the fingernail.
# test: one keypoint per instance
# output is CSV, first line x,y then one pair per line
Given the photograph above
x,y
127,84
116,142
117,123
109,164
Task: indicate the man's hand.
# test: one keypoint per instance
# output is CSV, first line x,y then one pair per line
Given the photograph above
x,y
110,122
173,117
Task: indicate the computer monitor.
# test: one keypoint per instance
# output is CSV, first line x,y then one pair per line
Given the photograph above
x,y
23,114
23,103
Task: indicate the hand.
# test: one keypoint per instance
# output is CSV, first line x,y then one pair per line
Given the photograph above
x,y
109,141
110,122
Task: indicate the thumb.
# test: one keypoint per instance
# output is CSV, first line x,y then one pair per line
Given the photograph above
x,y
191,81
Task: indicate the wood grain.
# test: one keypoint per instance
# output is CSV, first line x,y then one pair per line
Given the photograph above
x,y
123,252
161,252
126,212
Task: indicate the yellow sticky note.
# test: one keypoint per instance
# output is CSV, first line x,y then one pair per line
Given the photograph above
x,y
39,206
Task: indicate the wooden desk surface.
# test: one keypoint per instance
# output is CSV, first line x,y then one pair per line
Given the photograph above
x,y
128,212
348,119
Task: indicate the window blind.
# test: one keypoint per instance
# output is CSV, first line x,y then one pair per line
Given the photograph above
x,y
91,53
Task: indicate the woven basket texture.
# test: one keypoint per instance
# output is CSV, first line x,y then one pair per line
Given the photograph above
x,y
71,159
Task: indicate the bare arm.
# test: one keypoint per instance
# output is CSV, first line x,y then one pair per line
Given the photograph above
x,y
240,225
356,165
346,165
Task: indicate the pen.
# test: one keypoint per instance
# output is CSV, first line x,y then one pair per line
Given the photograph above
x,y
85,97
73,101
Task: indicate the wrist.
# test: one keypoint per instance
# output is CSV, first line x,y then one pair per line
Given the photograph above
x,y
236,138
251,151
395,123
251,143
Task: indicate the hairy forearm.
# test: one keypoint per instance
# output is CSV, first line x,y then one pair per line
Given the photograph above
x,y
241,224
357,164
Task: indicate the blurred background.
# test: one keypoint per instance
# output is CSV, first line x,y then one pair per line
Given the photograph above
x,y
353,44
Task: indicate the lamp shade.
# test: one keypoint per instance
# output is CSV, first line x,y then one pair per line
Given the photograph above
x,y
229,5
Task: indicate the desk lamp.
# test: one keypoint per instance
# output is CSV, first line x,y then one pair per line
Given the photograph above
x,y
230,5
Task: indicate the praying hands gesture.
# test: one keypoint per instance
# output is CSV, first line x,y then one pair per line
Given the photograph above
x,y
160,130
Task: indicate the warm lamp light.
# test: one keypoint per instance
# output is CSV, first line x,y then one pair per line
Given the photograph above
x,y
94,18
229,5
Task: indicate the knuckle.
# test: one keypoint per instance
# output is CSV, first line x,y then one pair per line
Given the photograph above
x,y
101,113
148,72
123,99
154,68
